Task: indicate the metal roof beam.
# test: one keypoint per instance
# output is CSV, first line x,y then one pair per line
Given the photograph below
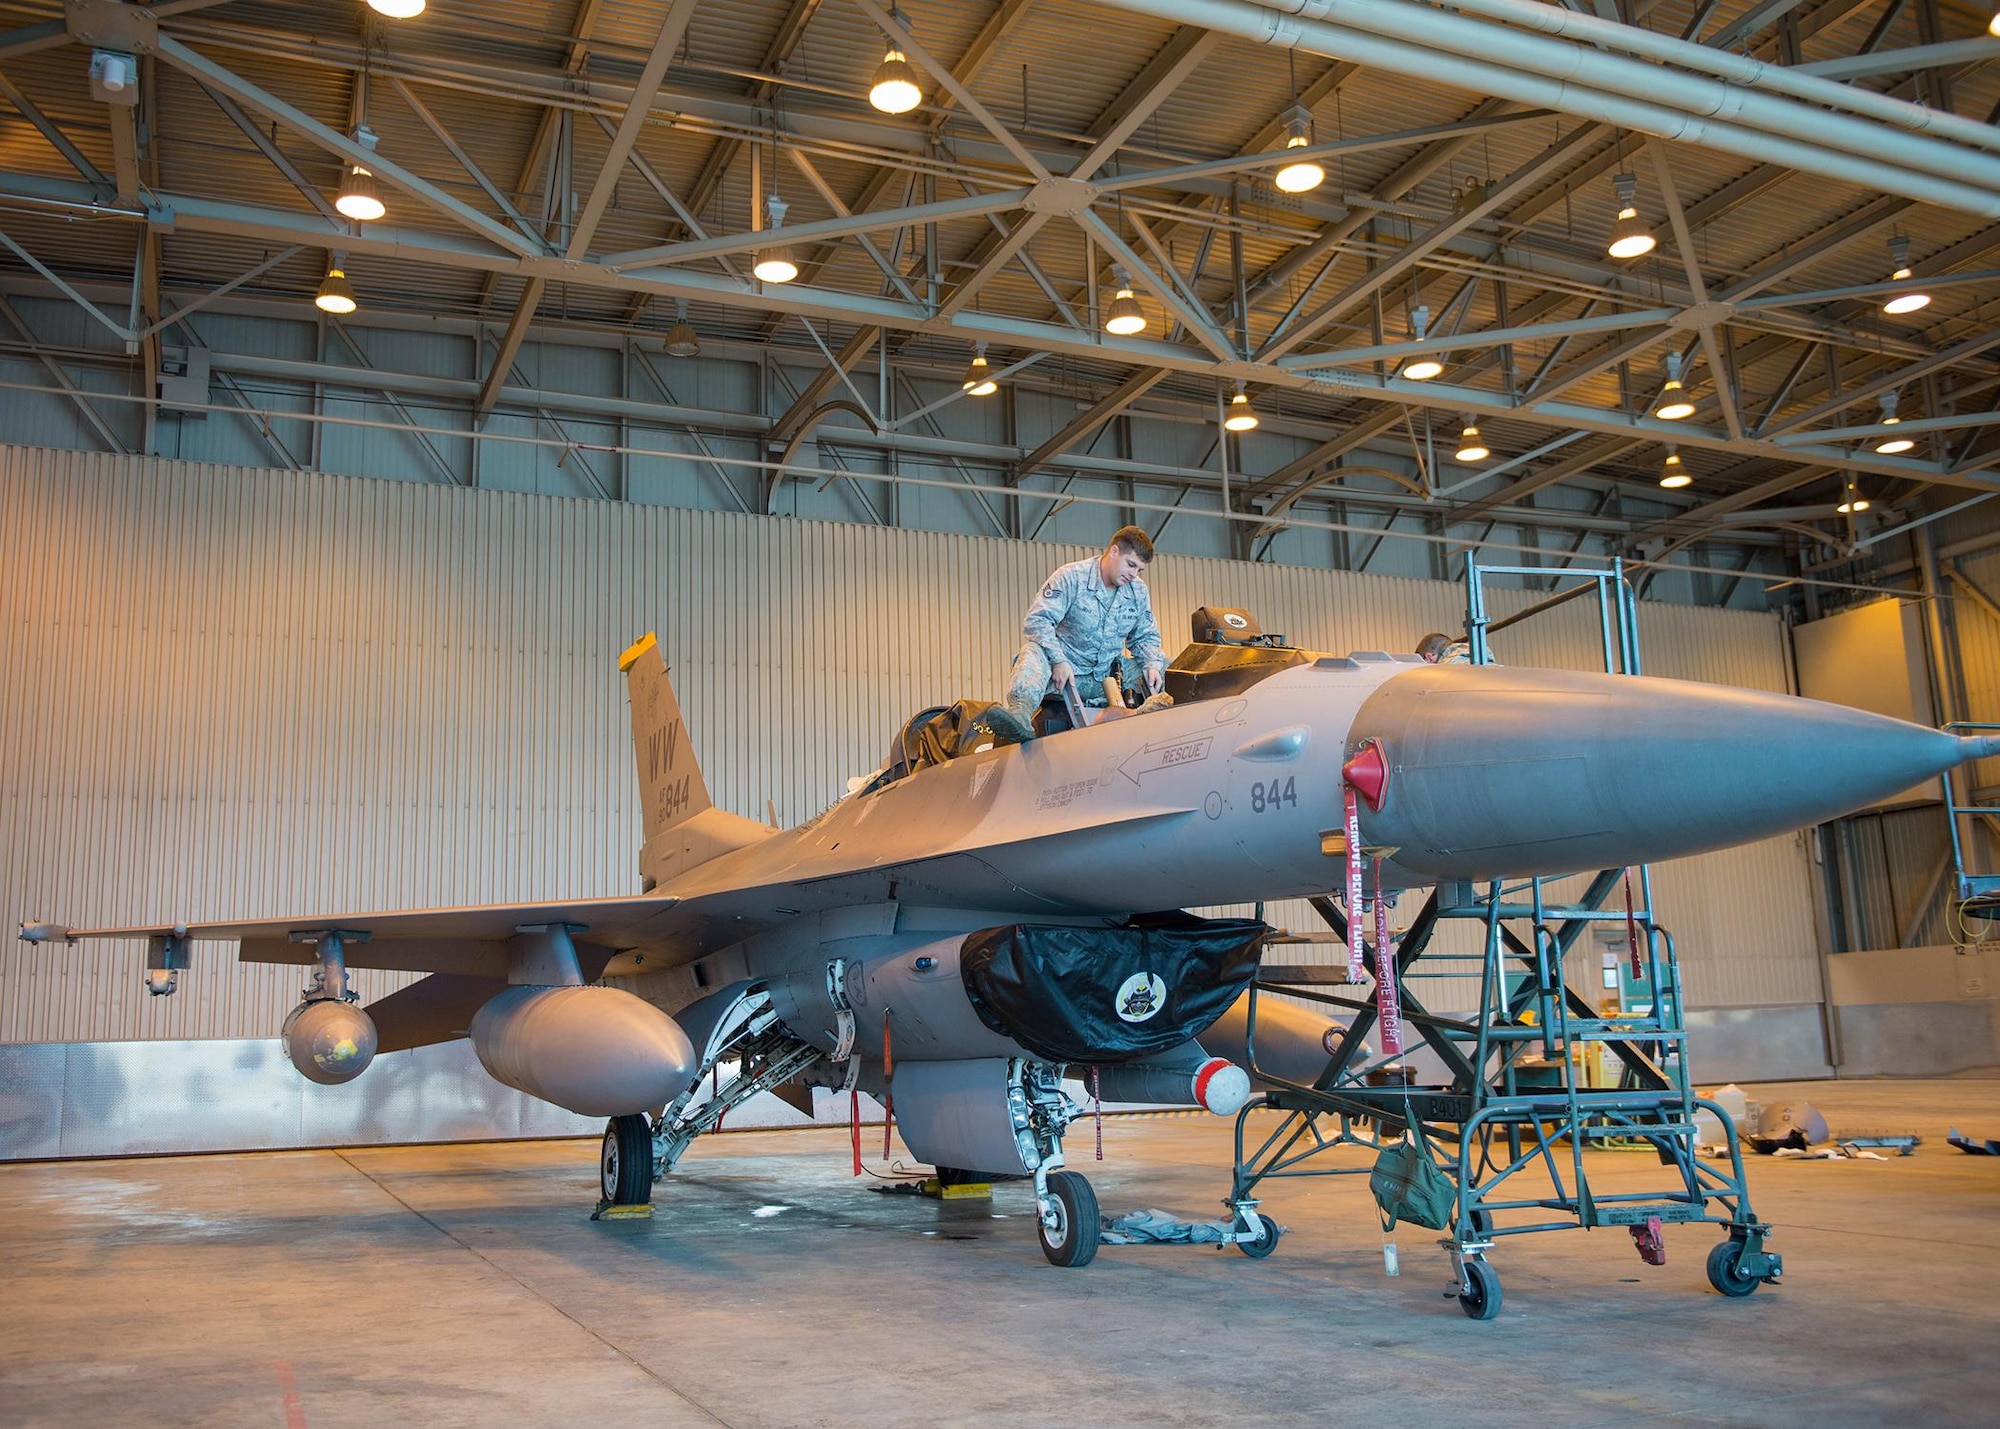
x,y
1497,197
58,140
279,159
923,59
112,441
1084,423
455,250
815,391
465,160
637,107
1907,61
1971,347
1602,450
214,75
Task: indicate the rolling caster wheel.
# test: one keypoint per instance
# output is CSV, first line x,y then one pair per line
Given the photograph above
x,y
1266,1242
1482,1301
625,1173
1072,1240
1725,1270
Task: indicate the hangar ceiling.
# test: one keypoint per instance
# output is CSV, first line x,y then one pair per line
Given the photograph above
x,y
571,166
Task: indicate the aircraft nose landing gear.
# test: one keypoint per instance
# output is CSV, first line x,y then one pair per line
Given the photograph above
x,y
1069,1224
1065,1205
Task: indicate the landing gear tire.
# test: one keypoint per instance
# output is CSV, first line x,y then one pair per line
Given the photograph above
x,y
1482,1300
1266,1242
1725,1270
625,1172
1072,1240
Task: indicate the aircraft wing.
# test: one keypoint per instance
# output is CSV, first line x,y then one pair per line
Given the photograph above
x,y
471,940
720,903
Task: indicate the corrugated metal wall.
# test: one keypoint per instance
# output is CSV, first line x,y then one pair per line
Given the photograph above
x,y
228,692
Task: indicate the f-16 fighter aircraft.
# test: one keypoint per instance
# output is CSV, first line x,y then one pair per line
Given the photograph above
x,y
980,919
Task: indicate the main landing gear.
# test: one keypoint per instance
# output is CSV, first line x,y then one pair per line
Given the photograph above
x,y
625,1170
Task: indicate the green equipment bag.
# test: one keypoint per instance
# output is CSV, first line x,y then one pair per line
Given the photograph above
x,y
1408,1186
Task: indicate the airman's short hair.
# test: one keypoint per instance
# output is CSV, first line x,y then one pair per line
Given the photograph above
x,y
1133,541
1433,646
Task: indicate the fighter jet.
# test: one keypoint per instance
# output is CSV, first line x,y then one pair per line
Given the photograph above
x,y
980,919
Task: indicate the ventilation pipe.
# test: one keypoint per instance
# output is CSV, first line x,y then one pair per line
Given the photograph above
x,y
1552,73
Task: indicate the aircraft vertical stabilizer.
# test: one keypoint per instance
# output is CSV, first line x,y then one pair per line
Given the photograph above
x,y
682,826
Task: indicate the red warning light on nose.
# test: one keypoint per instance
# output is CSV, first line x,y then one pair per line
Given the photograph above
x,y
1368,772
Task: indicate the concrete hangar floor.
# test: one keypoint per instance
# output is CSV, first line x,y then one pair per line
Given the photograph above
x,y
450,1285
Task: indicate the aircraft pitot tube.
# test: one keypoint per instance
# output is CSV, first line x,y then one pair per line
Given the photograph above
x,y
1472,772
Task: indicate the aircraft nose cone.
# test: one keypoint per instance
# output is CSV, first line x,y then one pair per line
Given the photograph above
x,y
1502,772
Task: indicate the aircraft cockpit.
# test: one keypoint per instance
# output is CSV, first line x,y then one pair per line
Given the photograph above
x,y
1229,653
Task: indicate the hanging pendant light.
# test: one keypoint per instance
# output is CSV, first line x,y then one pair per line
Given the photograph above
x,y
681,340
895,89
1240,416
979,380
1301,175
1423,367
1630,237
1853,501
335,294
1900,303
357,198
1894,442
1471,446
775,263
1673,404
397,9
1124,317
1673,473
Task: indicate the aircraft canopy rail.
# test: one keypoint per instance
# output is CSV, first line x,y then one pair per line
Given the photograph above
x,y
1515,1110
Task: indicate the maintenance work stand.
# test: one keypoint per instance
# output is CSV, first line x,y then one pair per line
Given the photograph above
x,y
1509,1123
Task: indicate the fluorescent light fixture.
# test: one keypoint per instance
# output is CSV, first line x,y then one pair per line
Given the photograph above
x,y
1472,446
1630,237
1299,176
1673,474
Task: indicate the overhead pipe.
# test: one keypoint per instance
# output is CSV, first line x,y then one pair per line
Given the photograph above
x,y
1692,94
1269,27
1803,84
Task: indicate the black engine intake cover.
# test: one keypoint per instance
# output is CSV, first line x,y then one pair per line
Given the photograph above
x,y
1098,995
